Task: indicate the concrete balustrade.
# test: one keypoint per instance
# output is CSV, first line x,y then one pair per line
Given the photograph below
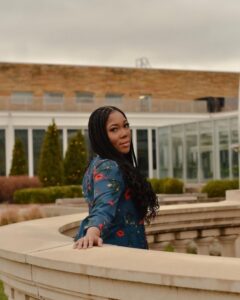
x,y
228,245
202,223
37,260
204,245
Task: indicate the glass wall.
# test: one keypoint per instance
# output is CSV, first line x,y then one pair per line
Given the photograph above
x,y
206,151
142,150
193,152
38,137
164,152
177,150
234,141
222,127
87,142
154,152
199,151
2,153
191,139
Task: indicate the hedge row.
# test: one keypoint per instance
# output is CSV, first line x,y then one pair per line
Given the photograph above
x,y
218,188
47,194
9,185
167,185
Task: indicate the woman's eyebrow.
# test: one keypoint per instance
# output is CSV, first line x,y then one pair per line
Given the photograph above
x,y
117,124
113,124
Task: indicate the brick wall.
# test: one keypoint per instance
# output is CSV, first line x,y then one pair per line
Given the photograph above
x,y
161,84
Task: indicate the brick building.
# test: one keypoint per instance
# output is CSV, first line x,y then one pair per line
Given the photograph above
x,y
45,87
154,100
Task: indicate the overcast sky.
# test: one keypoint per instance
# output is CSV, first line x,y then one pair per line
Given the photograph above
x,y
178,34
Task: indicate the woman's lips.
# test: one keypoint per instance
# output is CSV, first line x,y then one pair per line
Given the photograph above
x,y
126,144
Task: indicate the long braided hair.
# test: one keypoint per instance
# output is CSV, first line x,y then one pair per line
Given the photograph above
x,y
145,200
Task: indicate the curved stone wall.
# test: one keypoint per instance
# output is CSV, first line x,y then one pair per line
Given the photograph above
x,y
37,261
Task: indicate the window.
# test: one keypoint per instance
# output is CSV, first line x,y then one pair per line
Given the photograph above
x,y
2,153
113,99
222,128
177,151
21,98
191,155
145,102
164,152
154,149
53,98
38,137
234,141
142,151
206,150
84,97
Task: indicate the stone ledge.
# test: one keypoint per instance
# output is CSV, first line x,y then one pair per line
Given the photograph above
x,y
43,258
233,195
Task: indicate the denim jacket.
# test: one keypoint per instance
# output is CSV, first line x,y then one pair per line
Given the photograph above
x,y
111,208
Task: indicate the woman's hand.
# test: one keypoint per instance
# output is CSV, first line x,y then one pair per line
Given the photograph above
x,y
92,238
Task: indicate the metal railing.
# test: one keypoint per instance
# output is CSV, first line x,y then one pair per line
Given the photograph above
x,y
128,105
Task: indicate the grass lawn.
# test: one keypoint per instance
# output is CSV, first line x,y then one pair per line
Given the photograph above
x,y
2,295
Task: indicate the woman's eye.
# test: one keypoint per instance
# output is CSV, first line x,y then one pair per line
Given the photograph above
x,y
113,129
126,125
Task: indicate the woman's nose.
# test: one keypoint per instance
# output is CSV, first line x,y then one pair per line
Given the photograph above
x,y
124,132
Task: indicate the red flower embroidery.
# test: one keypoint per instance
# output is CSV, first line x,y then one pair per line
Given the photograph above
x,y
98,177
100,226
120,233
110,202
141,222
127,194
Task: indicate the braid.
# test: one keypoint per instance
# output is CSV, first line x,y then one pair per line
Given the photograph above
x,y
145,200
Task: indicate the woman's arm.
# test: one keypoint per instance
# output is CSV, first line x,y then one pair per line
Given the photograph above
x,y
108,186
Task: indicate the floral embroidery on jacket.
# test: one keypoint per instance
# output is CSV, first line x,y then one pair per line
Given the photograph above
x,y
106,194
120,233
127,194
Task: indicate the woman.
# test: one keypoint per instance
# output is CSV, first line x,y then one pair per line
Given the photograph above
x,y
119,197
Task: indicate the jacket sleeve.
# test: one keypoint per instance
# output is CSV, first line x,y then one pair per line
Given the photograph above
x,y
108,186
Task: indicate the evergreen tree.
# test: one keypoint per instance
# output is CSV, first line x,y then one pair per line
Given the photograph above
x,y
75,160
50,170
19,161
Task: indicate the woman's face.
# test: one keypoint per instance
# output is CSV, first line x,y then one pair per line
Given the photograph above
x,y
118,132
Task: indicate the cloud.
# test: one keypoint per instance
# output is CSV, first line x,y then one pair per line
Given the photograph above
x,y
171,33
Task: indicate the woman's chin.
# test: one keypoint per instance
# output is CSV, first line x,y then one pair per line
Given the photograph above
x,y
125,151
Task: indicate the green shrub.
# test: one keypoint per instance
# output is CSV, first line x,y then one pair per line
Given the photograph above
x,y
168,248
50,168
19,160
218,188
155,184
47,194
173,186
167,185
234,184
161,185
75,160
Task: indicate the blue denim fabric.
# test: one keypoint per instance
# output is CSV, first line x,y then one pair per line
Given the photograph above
x,y
111,208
